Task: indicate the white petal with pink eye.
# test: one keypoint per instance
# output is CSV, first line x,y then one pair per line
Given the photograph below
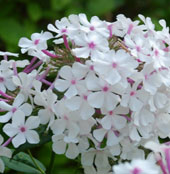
x,y
32,137
99,134
24,42
79,70
115,150
146,117
113,77
18,118
87,158
71,92
83,19
66,72
10,130
73,103
16,81
119,122
1,139
2,166
160,100
2,87
96,99
125,100
5,106
26,108
5,118
4,151
72,151
61,85
10,85
18,140
73,129
135,104
58,126
86,111
32,122
59,147
52,28
81,52
101,160
44,116
112,139
92,82
106,122
134,135
111,100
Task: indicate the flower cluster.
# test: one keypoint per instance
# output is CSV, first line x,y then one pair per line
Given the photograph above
x,y
102,93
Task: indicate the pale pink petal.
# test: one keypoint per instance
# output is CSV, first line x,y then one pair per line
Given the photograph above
x,y
73,103
18,119
72,91
26,108
99,134
18,140
96,99
72,151
10,130
59,147
32,122
32,137
83,52
5,118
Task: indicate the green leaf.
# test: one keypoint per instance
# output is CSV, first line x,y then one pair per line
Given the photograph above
x,y
100,7
34,11
10,30
59,4
23,163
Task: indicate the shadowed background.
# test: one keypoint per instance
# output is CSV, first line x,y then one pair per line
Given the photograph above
x,y
20,18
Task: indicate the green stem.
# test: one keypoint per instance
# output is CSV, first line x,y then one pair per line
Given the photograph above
x,y
52,159
38,167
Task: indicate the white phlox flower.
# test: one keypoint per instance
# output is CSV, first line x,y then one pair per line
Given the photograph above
x,y
22,130
18,104
90,44
38,42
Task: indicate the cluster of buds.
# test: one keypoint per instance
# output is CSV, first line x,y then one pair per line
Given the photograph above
x,y
100,89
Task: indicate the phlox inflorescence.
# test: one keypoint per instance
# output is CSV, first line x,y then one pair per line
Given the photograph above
x,y
102,93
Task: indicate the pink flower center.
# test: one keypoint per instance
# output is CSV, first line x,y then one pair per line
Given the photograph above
x,y
114,65
92,28
1,79
64,30
91,45
132,93
73,82
156,52
110,112
85,97
130,28
136,171
13,110
92,67
146,76
36,42
65,117
105,88
22,129
138,48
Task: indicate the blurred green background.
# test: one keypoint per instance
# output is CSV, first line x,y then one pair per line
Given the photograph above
x,y
20,18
